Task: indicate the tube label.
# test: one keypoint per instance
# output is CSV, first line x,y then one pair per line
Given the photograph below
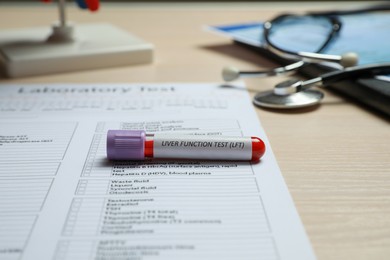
x,y
202,147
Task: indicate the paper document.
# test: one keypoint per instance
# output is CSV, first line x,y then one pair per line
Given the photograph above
x,y
60,198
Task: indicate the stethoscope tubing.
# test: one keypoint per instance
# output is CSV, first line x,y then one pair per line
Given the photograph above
x,y
317,55
362,71
357,72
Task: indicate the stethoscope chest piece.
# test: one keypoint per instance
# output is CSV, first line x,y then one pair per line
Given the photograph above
x,y
269,99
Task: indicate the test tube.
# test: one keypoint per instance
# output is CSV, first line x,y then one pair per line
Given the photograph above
x,y
139,145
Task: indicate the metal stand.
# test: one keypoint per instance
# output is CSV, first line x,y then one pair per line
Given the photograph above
x,y
62,32
65,47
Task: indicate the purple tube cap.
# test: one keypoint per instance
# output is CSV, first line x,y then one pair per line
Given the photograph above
x,y
126,144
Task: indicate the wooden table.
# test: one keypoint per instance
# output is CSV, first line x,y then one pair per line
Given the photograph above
x,y
335,158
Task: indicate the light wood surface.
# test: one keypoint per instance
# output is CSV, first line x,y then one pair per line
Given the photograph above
x,y
335,159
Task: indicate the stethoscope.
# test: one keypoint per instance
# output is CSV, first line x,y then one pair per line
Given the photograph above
x,y
298,93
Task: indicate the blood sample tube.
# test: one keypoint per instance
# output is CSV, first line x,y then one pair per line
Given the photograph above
x,y
137,145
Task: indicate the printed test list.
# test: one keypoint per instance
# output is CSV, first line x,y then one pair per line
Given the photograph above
x,y
61,198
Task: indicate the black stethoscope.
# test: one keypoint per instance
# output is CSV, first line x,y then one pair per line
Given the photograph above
x,y
297,93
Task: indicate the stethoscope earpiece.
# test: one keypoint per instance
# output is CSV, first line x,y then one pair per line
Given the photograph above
x,y
349,59
230,73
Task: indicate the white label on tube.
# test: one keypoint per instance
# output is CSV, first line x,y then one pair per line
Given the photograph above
x,y
202,147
